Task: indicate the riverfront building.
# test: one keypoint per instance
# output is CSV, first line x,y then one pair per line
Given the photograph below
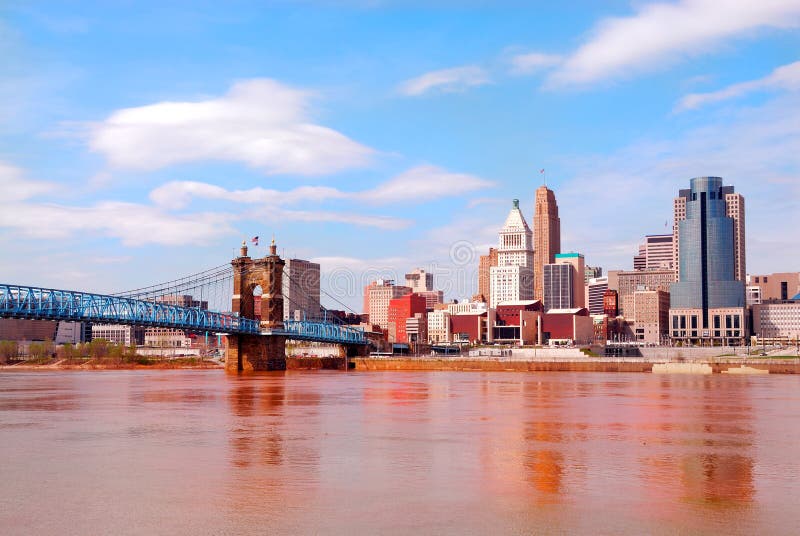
x,y
777,320
707,304
400,309
512,278
118,334
547,238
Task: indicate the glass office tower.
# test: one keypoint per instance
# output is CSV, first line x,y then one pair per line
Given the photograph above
x,y
707,256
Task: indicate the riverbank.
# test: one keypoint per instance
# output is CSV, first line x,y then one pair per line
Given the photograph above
x,y
93,364
717,365
590,364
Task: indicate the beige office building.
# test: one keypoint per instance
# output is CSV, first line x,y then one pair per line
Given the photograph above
x,y
547,236
628,282
381,292
485,264
650,315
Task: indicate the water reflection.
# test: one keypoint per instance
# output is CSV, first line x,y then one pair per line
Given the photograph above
x,y
351,453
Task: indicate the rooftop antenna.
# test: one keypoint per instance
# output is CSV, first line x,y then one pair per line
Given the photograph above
x,y
544,177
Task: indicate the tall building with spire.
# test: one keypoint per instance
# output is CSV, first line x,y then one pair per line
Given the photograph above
x,y
547,235
512,278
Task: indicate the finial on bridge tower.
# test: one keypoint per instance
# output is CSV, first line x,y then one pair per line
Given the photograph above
x,y
243,251
273,249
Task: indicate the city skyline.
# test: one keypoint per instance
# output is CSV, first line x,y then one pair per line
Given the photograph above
x,y
129,137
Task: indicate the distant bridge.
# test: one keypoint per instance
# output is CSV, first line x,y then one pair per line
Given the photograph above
x,y
172,305
35,303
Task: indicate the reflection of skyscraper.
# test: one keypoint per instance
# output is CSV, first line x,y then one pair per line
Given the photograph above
x,y
708,301
547,235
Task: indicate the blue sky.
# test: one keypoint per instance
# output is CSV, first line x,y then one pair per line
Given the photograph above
x,y
139,141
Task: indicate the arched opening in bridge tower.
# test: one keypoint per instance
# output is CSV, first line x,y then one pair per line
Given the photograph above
x,y
257,292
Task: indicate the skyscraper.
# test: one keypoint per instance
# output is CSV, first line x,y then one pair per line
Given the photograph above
x,y
577,262
656,253
707,303
300,290
484,274
512,278
734,209
559,286
547,237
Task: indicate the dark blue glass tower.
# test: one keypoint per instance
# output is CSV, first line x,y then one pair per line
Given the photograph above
x,y
706,242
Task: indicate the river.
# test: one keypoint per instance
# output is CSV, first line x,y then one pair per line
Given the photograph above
x,y
198,452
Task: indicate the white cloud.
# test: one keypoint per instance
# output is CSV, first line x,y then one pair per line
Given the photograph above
x,y
786,77
178,194
260,122
421,183
16,187
532,62
449,80
132,223
663,33
424,183
353,218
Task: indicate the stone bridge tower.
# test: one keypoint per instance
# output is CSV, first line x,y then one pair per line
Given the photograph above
x,y
248,353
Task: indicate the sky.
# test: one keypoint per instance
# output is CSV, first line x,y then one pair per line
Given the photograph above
x,y
143,141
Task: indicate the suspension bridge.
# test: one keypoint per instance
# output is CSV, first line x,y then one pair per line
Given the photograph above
x,y
221,300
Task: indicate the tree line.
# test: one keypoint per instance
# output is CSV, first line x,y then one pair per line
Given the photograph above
x,y
96,349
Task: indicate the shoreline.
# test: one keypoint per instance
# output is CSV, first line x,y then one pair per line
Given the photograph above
x,y
788,365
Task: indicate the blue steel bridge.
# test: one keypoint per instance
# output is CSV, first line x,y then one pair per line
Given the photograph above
x,y
157,306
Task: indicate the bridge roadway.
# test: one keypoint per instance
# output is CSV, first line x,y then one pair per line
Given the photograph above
x,y
35,303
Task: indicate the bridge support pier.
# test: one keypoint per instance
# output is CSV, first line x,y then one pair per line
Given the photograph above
x,y
253,353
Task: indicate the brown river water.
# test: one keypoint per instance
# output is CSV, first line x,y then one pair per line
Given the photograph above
x,y
198,452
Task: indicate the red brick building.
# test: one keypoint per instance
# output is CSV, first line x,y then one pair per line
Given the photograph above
x,y
610,303
568,325
401,309
517,321
467,327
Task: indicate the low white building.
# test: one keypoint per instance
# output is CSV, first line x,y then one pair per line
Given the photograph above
x,y
119,334
777,319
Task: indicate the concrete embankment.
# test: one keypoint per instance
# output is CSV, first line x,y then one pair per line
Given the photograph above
x,y
774,366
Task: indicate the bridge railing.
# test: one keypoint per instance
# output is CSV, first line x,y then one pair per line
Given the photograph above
x,y
17,301
323,332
